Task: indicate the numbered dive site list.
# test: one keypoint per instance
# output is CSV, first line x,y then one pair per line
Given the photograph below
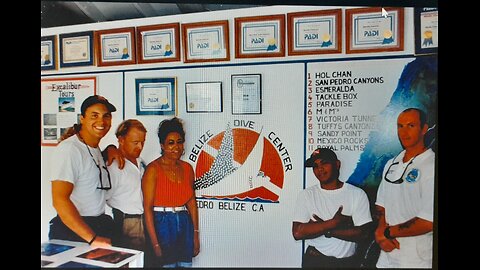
x,y
343,103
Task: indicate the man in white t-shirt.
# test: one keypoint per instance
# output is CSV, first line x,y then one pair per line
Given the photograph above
x,y
405,198
80,178
331,217
125,197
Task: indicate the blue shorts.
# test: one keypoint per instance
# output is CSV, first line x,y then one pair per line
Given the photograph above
x,y
175,236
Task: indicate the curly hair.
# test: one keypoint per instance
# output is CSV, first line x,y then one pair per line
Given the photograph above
x,y
170,125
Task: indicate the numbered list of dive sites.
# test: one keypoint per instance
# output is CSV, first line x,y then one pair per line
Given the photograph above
x,y
338,114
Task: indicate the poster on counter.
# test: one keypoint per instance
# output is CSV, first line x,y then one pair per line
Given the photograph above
x,y
60,105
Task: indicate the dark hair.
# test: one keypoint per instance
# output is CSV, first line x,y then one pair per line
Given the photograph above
x,y
96,99
422,115
170,125
128,124
69,132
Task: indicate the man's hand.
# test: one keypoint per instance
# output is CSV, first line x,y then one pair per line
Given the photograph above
x,y
101,242
113,153
388,245
342,220
385,244
315,219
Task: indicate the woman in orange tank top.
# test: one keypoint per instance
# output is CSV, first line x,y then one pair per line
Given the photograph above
x,y
171,214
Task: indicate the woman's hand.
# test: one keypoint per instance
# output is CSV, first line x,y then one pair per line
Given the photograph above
x,y
196,244
158,250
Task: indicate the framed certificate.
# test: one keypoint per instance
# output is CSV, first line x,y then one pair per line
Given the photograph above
x,y
315,32
370,31
203,97
247,94
48,53
426,30
156,96
115,46
158,43
260,36
205,41
76,49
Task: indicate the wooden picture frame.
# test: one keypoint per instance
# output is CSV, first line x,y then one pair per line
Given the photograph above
x,y
115,46
367,30
315,32
205,41
260,36
158,43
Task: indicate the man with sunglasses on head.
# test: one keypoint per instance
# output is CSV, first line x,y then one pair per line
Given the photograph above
x,y
405,198
331,216
80,178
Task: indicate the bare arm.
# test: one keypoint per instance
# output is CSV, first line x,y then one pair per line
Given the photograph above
x,y
384,243
353,233
149,183
68,213
412,227
309,230
193,211
318,227
110,153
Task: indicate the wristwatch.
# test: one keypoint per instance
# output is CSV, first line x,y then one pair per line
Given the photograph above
x,y
387,233
328,234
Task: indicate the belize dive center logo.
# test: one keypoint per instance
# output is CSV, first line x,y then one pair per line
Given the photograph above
x,y
240,164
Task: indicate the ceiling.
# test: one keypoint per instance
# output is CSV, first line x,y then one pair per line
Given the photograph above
x,y
61,13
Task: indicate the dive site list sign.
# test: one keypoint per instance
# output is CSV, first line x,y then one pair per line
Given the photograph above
x,y
344,100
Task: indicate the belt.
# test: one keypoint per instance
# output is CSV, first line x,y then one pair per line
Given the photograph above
x,y
125,215
132,215
170,209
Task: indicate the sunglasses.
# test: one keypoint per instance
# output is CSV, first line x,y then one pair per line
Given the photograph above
x,y
400,179
100,172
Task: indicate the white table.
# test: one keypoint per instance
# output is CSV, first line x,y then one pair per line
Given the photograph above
x,y
61,253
